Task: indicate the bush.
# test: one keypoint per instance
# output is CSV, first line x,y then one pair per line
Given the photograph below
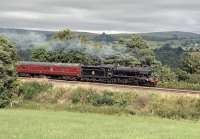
x,y
164,73
90,96
83,96
104,99
8,84
28,90
194,78
182,75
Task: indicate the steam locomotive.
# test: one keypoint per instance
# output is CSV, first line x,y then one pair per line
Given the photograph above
x,y
90,73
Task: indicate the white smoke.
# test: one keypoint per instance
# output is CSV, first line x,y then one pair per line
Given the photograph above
x,y
25,40
95,50
29,40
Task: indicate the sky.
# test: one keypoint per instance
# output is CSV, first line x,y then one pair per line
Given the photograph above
x,y
111,16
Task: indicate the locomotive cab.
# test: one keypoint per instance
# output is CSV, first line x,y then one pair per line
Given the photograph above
x,y
96,73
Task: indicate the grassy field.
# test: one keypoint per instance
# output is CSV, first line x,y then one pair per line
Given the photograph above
x,y
32,124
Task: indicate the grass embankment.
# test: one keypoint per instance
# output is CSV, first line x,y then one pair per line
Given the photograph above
x,y
180,85
31,124
36,95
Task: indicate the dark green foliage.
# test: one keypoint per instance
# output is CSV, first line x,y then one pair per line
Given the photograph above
x,y
61,56
24,55
193,78
181,75
170,56
185,64
105,99
164,73
191,63
7,72
40,55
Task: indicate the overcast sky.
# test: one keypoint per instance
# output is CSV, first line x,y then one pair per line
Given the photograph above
x,y
102,15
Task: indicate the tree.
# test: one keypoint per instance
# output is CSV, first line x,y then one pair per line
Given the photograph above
x,y
147,57
164,73
8,60
137,42
170,56
191,63
39,55
64,35
140,50
181,75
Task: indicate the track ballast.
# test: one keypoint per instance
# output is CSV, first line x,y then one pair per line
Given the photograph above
x,y
118,86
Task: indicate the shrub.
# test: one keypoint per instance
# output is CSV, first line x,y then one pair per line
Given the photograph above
x,y
8,60
181,75
89,96
83,96
28,90
194,78
104,99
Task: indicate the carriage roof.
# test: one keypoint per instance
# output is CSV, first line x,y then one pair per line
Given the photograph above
x,y
47,63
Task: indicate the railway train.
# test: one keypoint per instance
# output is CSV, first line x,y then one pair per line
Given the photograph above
x,y
90,73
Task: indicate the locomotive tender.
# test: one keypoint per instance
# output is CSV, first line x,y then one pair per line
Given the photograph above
x,y
90,73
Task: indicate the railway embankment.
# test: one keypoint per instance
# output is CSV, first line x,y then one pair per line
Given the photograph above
x,y
106,99
112,87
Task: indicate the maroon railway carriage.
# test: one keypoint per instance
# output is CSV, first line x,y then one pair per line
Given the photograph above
x,y
57,70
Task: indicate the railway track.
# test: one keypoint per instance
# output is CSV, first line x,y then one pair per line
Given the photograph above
x,y
116,86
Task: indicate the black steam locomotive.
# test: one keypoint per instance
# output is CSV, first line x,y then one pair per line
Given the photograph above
x,y
119,75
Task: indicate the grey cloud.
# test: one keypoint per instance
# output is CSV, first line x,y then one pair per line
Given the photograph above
x,y
104,15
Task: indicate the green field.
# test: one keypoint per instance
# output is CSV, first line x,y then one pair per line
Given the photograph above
x,y
32,124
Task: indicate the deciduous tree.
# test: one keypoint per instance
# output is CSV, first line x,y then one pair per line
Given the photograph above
x,y
7,71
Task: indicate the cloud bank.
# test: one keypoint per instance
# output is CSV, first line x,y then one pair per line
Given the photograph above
x,y
104,15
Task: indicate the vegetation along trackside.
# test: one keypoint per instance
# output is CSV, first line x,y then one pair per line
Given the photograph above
x,y
36,95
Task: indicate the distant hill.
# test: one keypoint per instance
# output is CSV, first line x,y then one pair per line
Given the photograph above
x,y
162,36
27,38
173,35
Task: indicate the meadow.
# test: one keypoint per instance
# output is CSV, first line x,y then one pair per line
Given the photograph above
x,y
45,124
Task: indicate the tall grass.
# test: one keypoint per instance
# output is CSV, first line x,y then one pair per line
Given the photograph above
x,y
44,96
180,85
28,90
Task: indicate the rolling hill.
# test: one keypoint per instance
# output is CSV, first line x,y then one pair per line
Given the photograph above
x,y
26,38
